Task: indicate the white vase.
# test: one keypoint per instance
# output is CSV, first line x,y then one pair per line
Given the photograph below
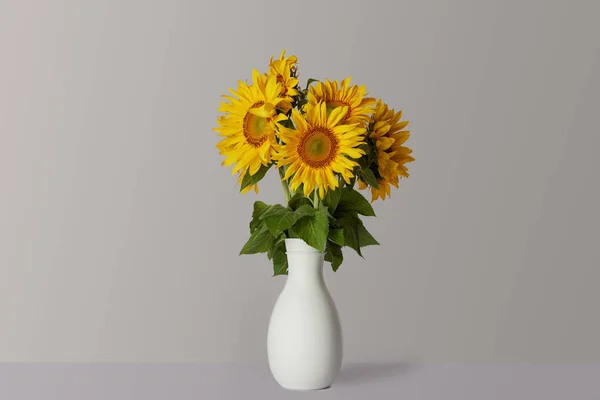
x,y
304,342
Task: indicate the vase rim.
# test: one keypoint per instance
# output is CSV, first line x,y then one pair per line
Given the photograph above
x,y
299,246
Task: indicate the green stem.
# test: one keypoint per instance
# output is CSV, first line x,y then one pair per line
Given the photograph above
x,y
353,179
316,199
286,189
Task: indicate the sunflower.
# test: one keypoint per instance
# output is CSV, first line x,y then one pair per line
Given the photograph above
x,y
284,70
359,107
248,124
319,148
387,134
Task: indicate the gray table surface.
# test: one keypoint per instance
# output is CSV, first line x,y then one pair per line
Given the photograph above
x,y
253,381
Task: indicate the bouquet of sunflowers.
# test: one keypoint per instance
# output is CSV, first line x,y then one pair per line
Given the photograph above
x,y
325,140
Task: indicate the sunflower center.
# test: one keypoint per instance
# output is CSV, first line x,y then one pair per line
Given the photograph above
x,y
318,147
255,127
333,104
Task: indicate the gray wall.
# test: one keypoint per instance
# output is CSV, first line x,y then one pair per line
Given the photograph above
x,y
119,229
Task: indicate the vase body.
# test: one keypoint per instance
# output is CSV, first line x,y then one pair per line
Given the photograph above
x,y
304,342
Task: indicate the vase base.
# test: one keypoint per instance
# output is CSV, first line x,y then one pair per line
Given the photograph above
x,y
301,389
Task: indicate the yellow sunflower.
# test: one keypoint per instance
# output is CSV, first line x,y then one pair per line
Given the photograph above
x,y
353,97
284,70
319,148
388,135
248,125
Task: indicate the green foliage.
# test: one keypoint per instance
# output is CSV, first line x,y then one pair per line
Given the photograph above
x,y
311,80
259,208
313,229
356,235
347,229
298,200
273,210
248,179
334,255
351,200
306,210
332,199
287,123
368,176
334,223
336,235
260,241
279,258
282,218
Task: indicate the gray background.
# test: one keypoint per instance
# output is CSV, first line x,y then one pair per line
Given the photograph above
x,y
119,229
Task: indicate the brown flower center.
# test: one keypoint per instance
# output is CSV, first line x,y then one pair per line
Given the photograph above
x,y
255,127
318,147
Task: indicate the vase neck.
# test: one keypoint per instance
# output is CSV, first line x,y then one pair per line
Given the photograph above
x,y
304,262
305,266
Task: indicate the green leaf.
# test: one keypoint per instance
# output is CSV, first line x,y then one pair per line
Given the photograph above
x,y
280,262
368,176
352,200
278,218
313,229
279,240
336,236
365,238
260,241
349,222
355,233
276,209
311,80
302,103
298,199
259,208
306,209
292,234
323,208
334,255
278,223
248,179
363,161
332,198
287,123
